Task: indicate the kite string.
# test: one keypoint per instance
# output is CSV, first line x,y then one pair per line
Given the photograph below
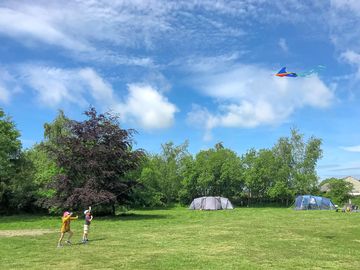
x,y
116,195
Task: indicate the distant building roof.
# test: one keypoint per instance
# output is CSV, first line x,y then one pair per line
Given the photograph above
x,y
356,185
325,187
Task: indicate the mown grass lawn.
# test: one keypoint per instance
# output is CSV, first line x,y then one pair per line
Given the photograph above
x,y
244,238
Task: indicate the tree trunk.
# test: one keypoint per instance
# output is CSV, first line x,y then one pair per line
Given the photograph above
x,y
113,209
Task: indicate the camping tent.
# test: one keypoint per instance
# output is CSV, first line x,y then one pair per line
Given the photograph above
x,y
309,202
210,203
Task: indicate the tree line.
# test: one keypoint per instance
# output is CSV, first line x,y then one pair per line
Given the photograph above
x,y
94,162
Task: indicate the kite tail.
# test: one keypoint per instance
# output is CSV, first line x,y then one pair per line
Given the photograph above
x,y
315,70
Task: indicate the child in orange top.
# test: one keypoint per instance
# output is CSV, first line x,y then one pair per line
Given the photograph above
x,y
65,227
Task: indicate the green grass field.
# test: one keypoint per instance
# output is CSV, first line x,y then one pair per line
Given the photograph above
x,y
244,238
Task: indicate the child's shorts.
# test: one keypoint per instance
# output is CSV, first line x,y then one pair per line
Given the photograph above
x,y
86,228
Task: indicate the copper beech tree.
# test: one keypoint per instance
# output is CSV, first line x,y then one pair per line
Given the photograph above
x,y
94,157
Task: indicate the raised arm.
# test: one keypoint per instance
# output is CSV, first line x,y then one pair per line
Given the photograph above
x,y
66,218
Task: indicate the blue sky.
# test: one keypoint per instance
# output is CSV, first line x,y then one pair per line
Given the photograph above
x,y
196,70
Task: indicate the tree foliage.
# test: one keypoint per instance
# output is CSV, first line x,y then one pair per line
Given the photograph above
x,y
297,162
10,155
15,185
94,155
261,174
162,175
213,172
90,162
338,190
42,172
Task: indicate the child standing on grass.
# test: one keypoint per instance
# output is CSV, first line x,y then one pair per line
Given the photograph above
x,y
65,227
88,219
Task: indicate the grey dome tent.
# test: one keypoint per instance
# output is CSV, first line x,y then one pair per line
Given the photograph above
x,y
309,202
210,203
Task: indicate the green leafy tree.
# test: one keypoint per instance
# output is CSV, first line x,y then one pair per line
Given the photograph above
x,y
162,174
260,173
10,152
169,164
298,159
147,192
283,187
214,172
57,129
338,190
189,188
43,172
22,186
43,168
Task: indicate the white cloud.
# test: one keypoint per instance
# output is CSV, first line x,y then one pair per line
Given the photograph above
x,y
88,29
100,90
250,96
352,58
75,25
355,148
4,94
144,106
106,30
79,25
200,117
36,23
8,86
210,64
56,86
283,45
343,18
147,107
353,5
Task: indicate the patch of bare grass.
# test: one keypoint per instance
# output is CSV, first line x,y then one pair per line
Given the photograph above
x,y
33,232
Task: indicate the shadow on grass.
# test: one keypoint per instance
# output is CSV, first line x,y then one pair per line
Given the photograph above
x,y
133,216
277,206
97,239
155,208
119,217
90,241
330,237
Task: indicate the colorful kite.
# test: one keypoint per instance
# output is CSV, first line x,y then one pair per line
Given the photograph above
x,y
284,73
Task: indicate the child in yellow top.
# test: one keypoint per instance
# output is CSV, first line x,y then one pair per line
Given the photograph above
x,y
65,227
